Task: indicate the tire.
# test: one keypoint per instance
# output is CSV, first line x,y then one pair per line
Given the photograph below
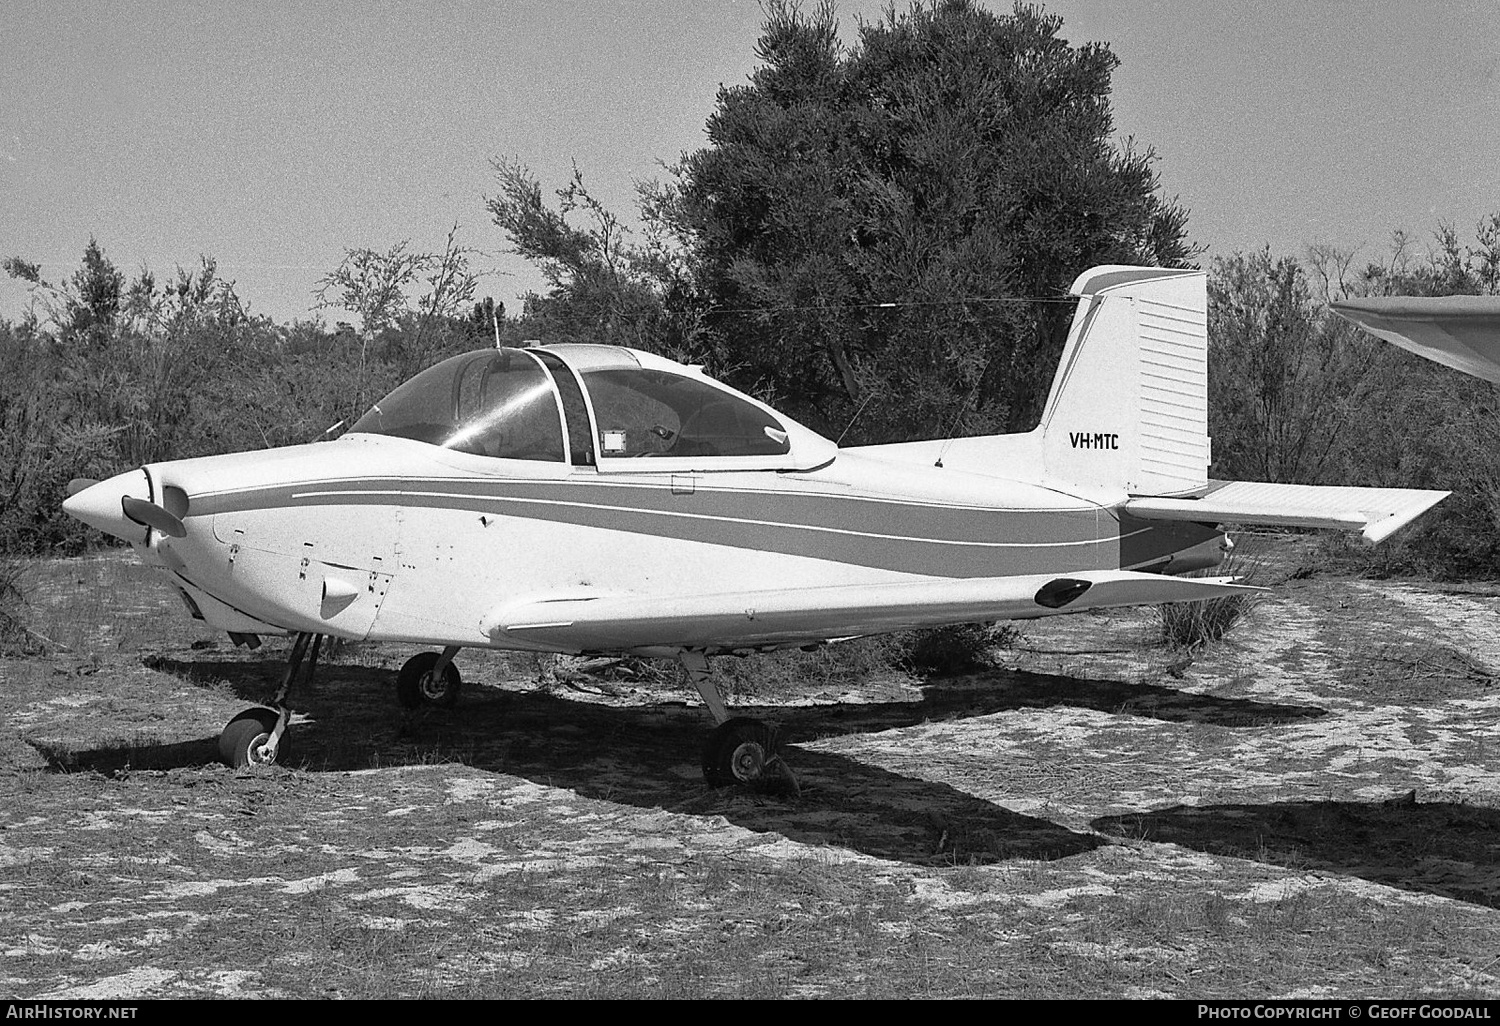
x,y
416,687
247,732
737,752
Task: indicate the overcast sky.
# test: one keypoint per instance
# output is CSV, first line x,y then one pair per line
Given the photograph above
x,y
274,134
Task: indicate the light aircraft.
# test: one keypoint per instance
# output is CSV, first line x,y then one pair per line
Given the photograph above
x,y
595,500
1462,332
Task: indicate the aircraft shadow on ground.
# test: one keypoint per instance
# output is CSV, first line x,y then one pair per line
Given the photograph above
x,y
1437,848
648,755
979,694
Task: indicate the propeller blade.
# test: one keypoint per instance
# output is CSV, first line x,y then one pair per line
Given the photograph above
x,y
78,484
152,515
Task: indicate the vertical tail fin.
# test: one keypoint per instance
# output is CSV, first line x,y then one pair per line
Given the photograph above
x,y
1128,408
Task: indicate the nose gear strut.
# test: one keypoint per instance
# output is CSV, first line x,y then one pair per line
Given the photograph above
x,y
253,738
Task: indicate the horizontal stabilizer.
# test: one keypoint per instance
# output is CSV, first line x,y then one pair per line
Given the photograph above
x,y
1375,513
734,620
1462,332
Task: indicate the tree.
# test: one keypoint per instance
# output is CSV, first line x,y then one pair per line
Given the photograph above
x,y
485,318
881,222
99,288
372,285
88,302
377,287
117,376
880,236
1289,384
1449,268
602,287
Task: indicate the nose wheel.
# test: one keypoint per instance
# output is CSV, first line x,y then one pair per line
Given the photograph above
x,y
247,739
253,738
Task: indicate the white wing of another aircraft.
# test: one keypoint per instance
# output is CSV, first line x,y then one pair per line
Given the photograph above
x,y
1462,332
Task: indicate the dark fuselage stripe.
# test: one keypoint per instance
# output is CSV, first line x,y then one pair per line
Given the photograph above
x,y
951,541
907,554
537,509
890,517
897,535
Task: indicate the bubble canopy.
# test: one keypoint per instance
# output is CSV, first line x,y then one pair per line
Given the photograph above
x,y
589,406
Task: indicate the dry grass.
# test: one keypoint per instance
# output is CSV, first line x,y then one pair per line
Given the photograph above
x,y
1190,626
15,636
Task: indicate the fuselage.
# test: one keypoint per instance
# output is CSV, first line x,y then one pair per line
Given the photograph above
x,y
391,537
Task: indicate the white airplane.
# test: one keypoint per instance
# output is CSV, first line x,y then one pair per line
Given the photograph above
x,y
1462,332
595,500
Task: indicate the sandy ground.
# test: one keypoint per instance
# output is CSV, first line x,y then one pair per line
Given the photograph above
x,y
1337,755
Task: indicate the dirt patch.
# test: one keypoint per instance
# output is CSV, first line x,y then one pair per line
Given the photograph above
x,y
1097,817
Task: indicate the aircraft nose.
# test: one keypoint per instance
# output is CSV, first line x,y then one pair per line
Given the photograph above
x,y
102,505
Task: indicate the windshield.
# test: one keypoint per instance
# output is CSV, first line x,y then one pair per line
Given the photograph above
x,y
497,402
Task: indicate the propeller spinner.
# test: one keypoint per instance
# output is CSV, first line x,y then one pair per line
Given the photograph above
x,y
122,504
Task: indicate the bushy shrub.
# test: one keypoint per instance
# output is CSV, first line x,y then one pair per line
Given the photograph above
x,y
958,647
790,672
902,657
1192,625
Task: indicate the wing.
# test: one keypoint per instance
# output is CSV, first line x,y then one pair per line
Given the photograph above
x,y
1374,512
736,620
1462,332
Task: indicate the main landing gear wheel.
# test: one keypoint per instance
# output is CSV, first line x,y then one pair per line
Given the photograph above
x,y
417,685
743,751
244,740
